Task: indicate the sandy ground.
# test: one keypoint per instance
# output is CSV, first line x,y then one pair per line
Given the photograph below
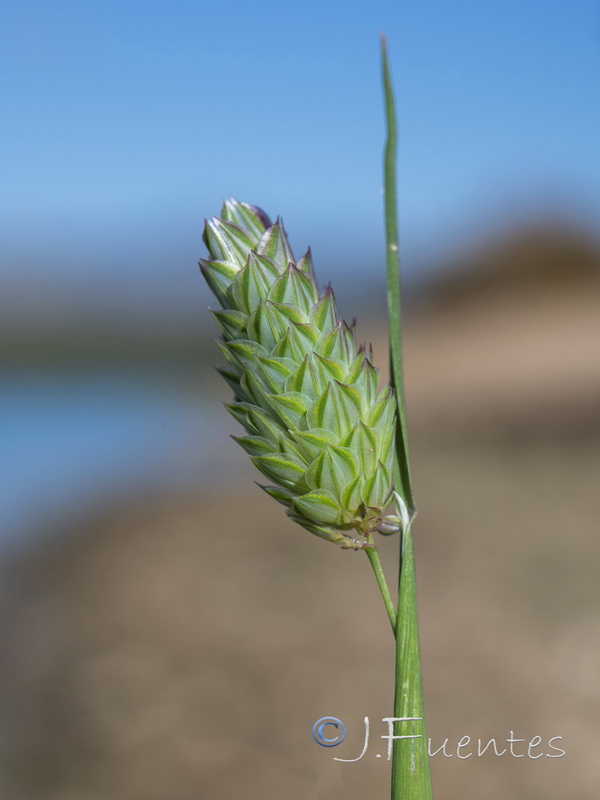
x,y
181,647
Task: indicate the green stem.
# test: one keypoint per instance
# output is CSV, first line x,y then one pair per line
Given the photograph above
x,y
411,777
373,554
402,476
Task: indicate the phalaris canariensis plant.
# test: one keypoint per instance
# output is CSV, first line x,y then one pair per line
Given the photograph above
x,y
332,443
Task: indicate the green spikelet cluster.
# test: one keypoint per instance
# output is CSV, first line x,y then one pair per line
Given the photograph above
x,y
318,427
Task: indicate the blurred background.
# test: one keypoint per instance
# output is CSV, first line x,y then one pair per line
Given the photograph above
x,y
166,633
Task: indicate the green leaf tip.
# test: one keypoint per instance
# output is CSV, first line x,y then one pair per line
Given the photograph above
x,y
402,473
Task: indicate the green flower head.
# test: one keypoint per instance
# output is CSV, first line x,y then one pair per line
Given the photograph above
x,y
317,424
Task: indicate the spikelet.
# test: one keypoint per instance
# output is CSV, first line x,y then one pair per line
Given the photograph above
x,y
318,427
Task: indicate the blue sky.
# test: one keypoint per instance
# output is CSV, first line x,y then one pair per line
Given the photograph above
x,y
125,123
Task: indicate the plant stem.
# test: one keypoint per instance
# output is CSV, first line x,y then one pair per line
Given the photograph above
x,y
411,777
373,554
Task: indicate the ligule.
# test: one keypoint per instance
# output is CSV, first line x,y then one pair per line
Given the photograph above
x,y
316,423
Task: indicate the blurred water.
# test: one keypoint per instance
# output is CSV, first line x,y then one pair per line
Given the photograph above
x,y
74,438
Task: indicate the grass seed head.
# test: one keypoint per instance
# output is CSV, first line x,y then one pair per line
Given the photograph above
x,y
317,425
